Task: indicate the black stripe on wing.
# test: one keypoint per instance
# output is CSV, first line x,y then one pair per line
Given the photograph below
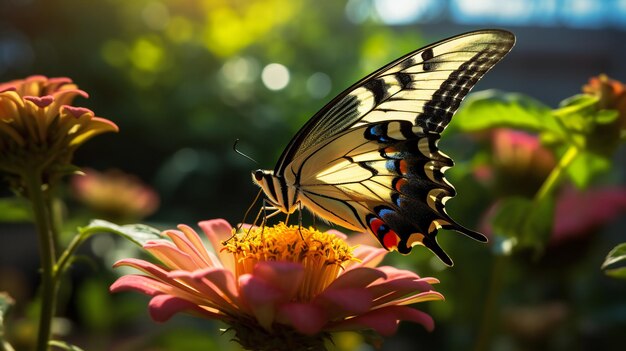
x,y
439,75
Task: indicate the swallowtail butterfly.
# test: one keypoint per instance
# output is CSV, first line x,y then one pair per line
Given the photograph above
x,y
368,160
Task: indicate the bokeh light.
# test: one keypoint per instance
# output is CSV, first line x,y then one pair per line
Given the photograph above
x,y
275,76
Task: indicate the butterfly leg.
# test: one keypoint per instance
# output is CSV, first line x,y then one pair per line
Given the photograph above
x,y
300,220
256,198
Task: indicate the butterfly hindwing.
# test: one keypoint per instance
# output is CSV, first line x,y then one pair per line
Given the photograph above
x,y
393,186
369,159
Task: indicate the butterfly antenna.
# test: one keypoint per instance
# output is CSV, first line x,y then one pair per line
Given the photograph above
x,y
242,154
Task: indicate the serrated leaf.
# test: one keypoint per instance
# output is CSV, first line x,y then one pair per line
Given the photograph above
x,y
137,233
491,109
585,167
617,254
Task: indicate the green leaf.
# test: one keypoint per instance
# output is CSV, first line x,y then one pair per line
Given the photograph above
x,y
580,103
137,233
5,303
606,116
585,167
577,113
64,345
528,222
492,108
617,254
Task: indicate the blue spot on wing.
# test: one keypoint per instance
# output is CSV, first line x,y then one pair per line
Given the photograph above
x,y
384,211
377,132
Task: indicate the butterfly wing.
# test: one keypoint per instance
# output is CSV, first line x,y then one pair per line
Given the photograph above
x,y
369,159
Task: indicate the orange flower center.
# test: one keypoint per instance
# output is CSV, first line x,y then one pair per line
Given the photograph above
x,y
320,254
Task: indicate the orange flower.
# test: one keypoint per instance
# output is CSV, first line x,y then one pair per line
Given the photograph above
x,y
39,129
278,286
611,95
115,195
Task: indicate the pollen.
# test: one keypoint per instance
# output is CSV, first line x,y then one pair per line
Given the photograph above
x,y
321,255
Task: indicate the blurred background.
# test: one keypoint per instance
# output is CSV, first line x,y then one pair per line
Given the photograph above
x,y
183,79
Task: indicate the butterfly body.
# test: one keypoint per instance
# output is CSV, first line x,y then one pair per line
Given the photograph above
x,y
369,160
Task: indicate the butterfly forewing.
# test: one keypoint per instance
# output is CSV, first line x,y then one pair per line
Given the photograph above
x,y
369,159
434,79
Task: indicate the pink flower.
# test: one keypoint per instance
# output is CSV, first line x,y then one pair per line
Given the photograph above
x,y
579,213
519,164
280,284
115,195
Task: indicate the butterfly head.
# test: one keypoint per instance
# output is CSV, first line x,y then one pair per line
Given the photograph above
x,y
263,179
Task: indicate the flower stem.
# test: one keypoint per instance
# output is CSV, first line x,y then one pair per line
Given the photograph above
x,y
553,179
46,254
66,256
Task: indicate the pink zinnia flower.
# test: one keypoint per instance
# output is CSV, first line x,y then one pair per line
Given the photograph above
x,y
277,287
115,195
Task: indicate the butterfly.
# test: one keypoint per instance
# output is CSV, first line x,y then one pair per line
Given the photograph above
x,y
369,161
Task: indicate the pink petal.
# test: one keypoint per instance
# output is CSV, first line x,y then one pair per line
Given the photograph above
x,y
214,284
40,101
395,273
77,111
397,289
368,255
385,320
285,276
5,87
261,298
189,289
306,318
185,245
218,230
140,283
421,297
355,278
195,240
172,256
163,307
346,302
